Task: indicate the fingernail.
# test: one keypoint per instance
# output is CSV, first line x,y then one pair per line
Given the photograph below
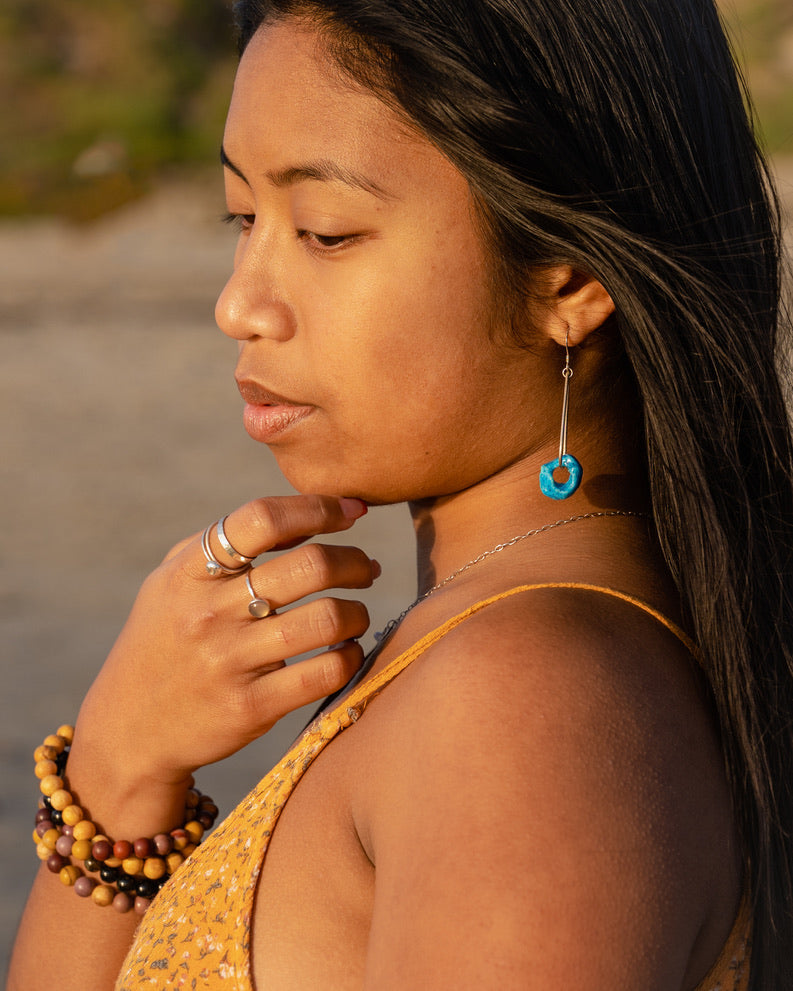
x,y
353,509
376,569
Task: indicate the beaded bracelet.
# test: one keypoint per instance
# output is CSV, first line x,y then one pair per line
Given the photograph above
x,y
131,873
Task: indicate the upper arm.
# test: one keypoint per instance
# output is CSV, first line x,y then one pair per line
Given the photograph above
x,y
524,830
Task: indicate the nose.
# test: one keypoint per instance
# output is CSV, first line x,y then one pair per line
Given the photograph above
x,y
249,305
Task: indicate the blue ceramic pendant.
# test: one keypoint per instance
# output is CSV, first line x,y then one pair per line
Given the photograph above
x,y
560,490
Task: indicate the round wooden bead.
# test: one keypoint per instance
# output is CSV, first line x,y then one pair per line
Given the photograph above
x,y
173,861
43,851
112,862
41,815
50,838
154,868
122,902
141,904
65,732
193,798
122,849
132,865
180,839
64,846
72,814
44,768
103,895
84,830
44,752
81,849
61,799
194,830
101,850
163,844
142,847
83,886
55,863
56,742
50,784
70,874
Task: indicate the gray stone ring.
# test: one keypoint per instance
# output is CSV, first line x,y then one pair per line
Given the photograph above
x,y
258,608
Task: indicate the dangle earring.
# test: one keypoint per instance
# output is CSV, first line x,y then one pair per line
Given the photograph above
x,y
548,484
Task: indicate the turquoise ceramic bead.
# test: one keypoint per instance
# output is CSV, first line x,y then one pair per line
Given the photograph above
x,y
560,490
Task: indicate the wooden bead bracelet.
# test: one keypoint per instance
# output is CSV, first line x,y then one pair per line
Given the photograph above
x,y
130,872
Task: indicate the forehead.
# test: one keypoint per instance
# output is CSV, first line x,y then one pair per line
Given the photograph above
x,y
290,103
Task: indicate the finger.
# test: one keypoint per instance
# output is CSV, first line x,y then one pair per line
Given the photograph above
x,y
283,521
306,627
307,681
313,568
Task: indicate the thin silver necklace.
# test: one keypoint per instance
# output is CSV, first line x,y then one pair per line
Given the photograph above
x,y
389,628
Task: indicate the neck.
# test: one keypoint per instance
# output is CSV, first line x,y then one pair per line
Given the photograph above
x,y
453,529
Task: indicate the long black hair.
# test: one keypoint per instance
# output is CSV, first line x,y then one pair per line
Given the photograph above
x,y
614,136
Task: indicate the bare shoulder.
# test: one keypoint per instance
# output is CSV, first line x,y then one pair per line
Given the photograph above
x,y
554,781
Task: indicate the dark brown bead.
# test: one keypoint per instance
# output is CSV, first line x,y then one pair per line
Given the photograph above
x,y
42,815
56,863
101,850
142,848
206,820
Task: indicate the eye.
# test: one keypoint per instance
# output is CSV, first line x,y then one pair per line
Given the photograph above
x,y
242,221
325,243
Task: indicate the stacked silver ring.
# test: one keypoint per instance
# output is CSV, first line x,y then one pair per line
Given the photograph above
x,y
257,607
213,566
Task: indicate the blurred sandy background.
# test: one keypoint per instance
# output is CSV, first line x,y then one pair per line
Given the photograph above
x,y
121,425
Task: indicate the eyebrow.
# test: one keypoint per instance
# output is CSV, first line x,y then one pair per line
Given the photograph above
x,y
321,170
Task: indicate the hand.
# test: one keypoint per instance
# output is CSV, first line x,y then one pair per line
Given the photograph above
x,y
194,678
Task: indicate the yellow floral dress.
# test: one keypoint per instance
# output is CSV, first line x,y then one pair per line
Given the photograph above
x,y
196,934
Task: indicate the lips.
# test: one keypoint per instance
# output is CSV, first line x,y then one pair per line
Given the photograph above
x,y
267,414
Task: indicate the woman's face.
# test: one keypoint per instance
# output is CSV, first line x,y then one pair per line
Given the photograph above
x,y
360,295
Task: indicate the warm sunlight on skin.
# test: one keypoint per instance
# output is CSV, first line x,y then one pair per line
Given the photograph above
x,y
360,294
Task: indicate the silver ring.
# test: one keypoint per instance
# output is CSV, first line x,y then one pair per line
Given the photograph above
x,y
213,566
223,540
258,608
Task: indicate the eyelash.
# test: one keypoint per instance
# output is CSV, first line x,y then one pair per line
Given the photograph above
x,y
245,221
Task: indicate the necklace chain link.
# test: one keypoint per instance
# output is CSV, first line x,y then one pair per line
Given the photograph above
x,y
389,628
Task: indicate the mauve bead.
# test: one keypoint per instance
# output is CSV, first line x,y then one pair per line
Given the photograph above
x,y
83,886
141,904
122,849
163,844
43,827
101,850
122,902
67,830
142,848
56,863
41,815
64,846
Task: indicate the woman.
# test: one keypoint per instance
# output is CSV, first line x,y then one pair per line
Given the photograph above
x,y
516,265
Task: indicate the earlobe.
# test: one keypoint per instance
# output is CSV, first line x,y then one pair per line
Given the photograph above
x,y
579,305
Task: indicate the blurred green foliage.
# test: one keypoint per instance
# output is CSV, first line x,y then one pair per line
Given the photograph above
x,y
99,96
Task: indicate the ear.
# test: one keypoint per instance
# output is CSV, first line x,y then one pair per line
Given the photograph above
x,y
577,305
